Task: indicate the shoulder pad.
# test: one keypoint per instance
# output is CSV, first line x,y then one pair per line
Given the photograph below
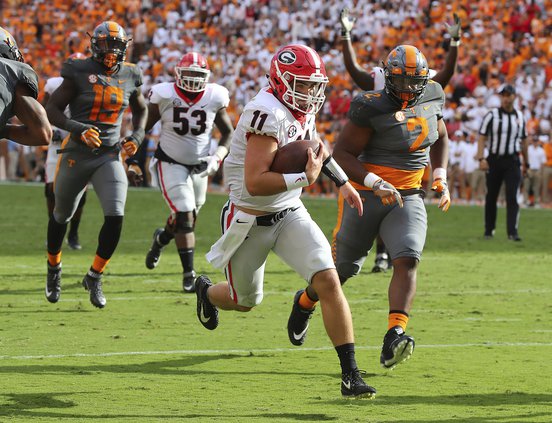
x,y
52,84
220,94
163,90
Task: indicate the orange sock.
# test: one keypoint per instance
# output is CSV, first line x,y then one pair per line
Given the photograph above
x,y
54,259
397,318
99,264
305,302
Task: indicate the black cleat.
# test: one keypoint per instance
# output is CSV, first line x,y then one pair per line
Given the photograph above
x,y
298,322
353,386
381,263
489,234
73,243
397,347
93,284
53,283
207,313
188,282
515,238
153,255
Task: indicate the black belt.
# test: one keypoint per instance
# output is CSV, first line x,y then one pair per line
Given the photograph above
x,y
99,150
164,157
273,218
412,191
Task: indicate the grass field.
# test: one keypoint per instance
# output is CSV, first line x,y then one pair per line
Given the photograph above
x,y
481,320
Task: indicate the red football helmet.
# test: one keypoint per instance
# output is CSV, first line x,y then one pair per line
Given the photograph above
x,y
192,72
292,68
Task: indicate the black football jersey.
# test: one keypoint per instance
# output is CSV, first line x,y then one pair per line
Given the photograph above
x,y
101,98
12,73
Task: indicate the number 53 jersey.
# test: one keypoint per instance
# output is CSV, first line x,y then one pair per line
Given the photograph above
x,y
398,148
186,123
101,98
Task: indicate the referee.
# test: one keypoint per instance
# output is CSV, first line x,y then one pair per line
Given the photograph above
x,y
504,130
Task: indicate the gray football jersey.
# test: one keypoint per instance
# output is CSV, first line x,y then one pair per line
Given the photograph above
x,y
12,73
101,98
400,138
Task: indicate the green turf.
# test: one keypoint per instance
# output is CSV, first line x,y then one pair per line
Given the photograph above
x,y
481,320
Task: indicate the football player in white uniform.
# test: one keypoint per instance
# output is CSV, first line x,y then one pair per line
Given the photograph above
x,y
265,212
187,110
51,163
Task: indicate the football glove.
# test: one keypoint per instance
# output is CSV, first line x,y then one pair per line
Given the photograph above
x,y
129,146
441,188
347,23
387,193
135,176
213,164
454,30
91,137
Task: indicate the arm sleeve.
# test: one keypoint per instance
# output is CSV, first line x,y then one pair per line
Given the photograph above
x,y
360,112
138,80
28,77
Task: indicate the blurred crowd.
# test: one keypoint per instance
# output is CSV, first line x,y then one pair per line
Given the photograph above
x,y
503,41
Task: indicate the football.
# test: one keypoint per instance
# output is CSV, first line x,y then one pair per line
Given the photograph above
x,y
292,157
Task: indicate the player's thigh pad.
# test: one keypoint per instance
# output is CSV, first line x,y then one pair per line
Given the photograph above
x,y
51,162
176,186
404,229
354,234
111,184
302,245
245,271
200,184
72,176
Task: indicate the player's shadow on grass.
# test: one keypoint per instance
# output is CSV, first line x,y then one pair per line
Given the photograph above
x,y
38,405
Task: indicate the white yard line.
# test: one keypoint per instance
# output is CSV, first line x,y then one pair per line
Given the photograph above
x,y
264,350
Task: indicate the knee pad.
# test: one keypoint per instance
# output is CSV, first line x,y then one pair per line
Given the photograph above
x,y
184,222
346,271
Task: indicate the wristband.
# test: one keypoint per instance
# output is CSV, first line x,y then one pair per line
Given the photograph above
x,y
440,173
295,180
131,161
221,152
345,35
455,43
332,170
371,179
75,127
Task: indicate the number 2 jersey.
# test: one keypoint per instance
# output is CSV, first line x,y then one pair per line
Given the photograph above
x,y
101,97
186,124
398,150
264,115
11,74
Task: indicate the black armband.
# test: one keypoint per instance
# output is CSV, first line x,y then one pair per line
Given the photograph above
x,y
132,161
75,127
332,170
138,135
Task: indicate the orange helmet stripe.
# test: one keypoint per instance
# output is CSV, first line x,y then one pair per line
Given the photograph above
x,y
410,59
113,28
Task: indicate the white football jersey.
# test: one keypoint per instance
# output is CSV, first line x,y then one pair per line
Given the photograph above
x,y
53,84
264,115
186,124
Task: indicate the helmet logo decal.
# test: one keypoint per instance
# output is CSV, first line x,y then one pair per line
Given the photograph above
x,y
92,78
399,116
287,57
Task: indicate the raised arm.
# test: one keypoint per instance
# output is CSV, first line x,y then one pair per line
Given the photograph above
x,y
359,75
455,31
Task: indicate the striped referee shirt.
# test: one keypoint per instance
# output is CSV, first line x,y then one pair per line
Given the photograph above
x,y
504,130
